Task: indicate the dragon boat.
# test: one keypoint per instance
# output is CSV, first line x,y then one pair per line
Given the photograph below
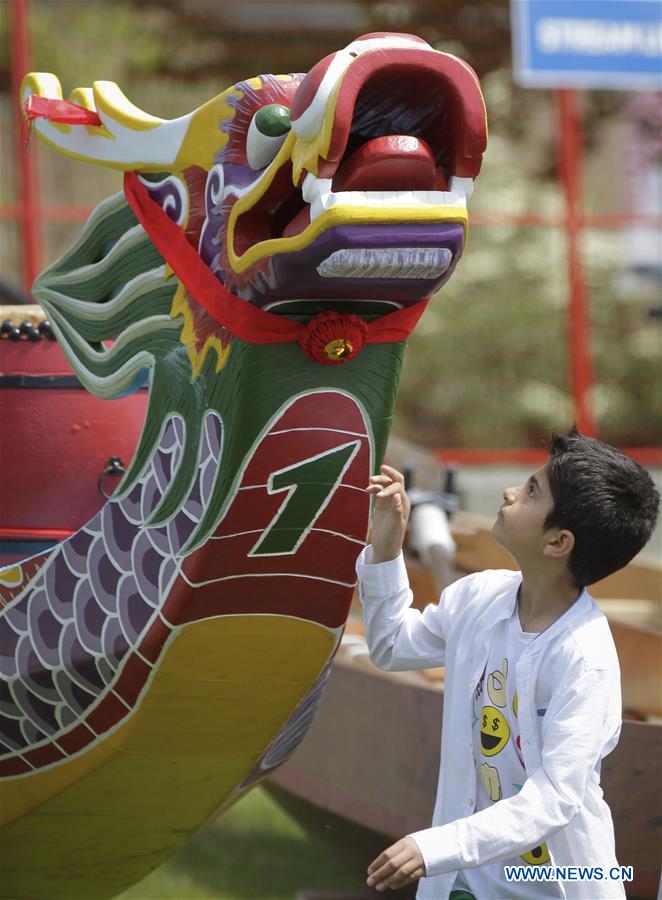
x,y
258,276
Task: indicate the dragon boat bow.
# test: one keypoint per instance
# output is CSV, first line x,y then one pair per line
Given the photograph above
x,y
261,272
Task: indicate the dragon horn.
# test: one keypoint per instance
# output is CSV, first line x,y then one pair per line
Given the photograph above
x,y
123,136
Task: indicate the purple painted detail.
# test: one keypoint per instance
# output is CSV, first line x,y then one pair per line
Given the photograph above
x,y
45,630
207,478
118,533
115,644
209,244
180,529
84,669
163,469
150,497
75,549
296,273
63,643
7,704
60,583
31,733
238,176
158,537
104,668
107,575
12,736
41,714
194,500
171,437
66,716
130,505
76,698
145,569
17,615
213,433
179,430
102,579
8,649
134,612
37,678
169,195
90,618
166,575
78,663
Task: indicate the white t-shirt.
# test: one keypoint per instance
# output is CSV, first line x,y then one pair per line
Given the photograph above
x,y
500,771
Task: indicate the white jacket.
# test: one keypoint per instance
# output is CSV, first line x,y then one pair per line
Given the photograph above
x,y
569,713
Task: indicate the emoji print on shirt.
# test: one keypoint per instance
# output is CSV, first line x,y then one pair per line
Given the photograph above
x,y
490,778
496,685
494,731
538,856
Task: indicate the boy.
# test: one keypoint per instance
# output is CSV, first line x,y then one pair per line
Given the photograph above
x,y
532,689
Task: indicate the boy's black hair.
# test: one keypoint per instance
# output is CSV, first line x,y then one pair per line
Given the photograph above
x,y
604,498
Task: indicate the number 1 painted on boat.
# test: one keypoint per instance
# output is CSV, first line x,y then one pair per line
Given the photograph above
x,y
310,484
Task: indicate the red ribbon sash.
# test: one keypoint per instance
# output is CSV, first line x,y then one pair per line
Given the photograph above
x,y
244,320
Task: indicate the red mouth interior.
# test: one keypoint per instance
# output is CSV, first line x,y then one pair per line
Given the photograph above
x,y
399,131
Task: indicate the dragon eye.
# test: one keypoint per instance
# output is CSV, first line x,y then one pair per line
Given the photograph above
x,y
266,133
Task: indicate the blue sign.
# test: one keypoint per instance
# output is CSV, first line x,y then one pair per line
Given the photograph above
x,y
587,43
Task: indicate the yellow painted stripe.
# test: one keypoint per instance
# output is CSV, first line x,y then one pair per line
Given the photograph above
x,y
341,215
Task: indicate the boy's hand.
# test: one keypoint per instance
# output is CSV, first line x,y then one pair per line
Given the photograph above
x,y
391,513
397,866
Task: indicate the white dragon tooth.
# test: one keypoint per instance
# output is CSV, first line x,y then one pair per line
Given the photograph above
x,y
309,188
316,208
380,199
463,186
313,187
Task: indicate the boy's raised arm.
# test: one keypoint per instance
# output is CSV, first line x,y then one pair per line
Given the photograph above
x,y
398,636
390,516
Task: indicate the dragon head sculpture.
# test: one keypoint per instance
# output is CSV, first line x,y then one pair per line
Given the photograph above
x,y
342,189
348,183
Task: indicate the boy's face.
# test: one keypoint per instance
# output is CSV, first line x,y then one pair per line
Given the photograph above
x,y
519,526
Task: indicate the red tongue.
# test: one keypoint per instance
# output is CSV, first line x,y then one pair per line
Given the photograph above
x,y
395,162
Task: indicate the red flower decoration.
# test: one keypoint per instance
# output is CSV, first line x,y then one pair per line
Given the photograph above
x,y
332,338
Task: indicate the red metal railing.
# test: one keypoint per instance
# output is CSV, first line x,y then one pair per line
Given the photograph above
x,y
26,210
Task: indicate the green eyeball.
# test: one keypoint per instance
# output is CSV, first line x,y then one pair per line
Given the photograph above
x,y
268,129
273,120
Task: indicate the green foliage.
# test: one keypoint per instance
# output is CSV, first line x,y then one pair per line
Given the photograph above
x,y
65,39
488,364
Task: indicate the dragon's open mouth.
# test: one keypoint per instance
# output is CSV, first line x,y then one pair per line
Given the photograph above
x,y
402,146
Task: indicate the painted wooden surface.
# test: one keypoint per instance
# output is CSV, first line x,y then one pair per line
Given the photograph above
x,y
151,660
